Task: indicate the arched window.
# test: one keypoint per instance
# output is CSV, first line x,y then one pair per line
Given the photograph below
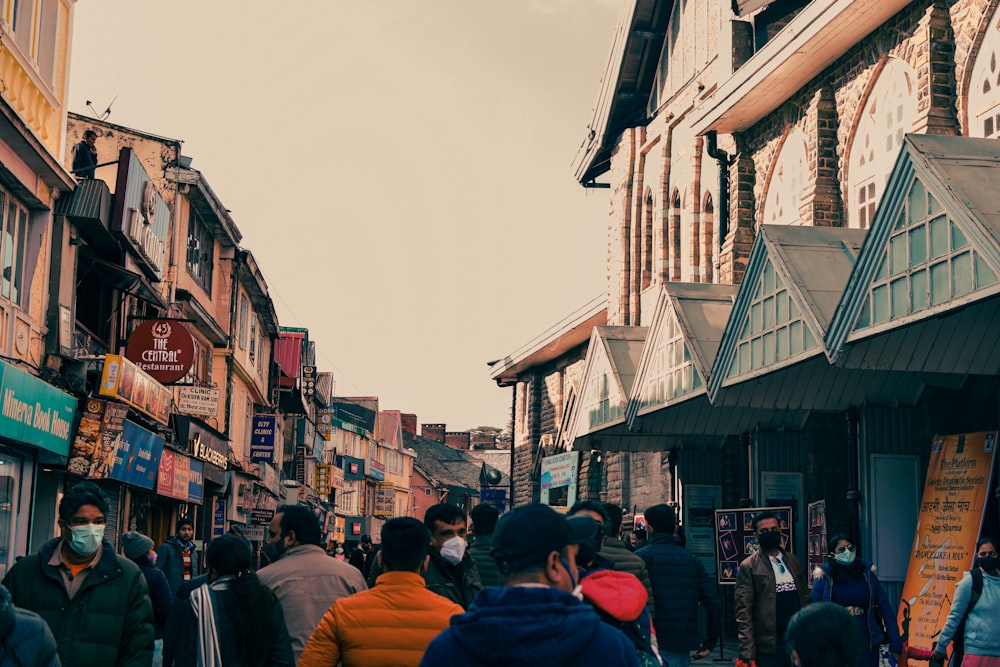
x,y
647,239
984,88
889,114
675,236
707,237
788,179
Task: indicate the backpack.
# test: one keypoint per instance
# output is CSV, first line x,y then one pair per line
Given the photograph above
x,y
641,641
958,643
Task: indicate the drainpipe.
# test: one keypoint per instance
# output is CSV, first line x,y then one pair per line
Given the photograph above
x,y
176,226
725,162
853,475
513,431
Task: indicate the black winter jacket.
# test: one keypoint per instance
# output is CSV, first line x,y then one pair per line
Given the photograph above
x,y
25,639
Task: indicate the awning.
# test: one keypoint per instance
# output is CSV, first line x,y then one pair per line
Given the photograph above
x,y
89,209
288,352
121,279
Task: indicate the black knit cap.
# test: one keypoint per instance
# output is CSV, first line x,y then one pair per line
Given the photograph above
x,y
526,535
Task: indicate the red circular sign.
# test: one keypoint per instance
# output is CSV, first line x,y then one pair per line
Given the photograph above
x,y
162,348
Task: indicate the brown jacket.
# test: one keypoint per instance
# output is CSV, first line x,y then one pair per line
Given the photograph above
x,y
756,604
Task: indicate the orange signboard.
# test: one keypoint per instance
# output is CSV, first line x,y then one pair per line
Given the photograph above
x,y
126,382
951,516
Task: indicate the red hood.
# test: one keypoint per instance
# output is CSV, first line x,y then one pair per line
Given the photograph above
x,y
619,594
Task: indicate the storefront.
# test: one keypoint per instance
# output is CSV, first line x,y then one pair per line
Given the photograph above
x,y
207,446
36,422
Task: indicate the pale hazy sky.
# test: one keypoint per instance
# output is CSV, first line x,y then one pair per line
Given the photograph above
x,y
400,169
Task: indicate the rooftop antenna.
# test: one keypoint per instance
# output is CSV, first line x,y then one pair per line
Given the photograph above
x,y
107,112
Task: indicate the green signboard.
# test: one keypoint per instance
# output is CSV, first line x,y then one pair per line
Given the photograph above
x,y
34,412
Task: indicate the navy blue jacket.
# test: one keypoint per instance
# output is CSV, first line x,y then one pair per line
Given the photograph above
x,y
25,639
824,590
520,626
680,582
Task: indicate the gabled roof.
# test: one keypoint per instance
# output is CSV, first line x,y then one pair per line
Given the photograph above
x,y
786,300
606,384
923,295
390,427
681,346
445,467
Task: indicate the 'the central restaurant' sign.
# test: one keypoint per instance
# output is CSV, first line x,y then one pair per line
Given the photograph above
x,y
162,348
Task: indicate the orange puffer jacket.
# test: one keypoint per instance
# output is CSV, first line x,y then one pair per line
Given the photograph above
x,y
391,623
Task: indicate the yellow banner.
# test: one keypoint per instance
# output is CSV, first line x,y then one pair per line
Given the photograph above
x,y
951,516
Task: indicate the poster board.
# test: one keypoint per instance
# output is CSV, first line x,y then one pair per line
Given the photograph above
x,y
700,503
735,538
956,491
816,536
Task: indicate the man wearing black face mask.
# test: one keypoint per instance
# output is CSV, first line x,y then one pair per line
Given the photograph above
x,y
770,588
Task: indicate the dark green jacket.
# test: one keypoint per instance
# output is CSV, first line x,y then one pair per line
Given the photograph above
x,y
108,623
489,573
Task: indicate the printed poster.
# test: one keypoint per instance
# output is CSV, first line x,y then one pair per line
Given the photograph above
x,y
816,536
944,546
736,540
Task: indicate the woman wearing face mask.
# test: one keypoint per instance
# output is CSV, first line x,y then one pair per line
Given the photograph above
x,y
851,582
138,548
981,636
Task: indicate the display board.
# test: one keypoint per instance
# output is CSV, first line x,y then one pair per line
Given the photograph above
x,y
735,538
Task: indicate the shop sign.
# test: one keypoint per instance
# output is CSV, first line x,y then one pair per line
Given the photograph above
x,y
263,438
93,451
324,423
126,382
140,214
254,533
34,412
137,457
495,497
385,496
162,348
180,477
354,469
951,516
375,470
261,517
219,517
323,478
355,528
558,471
339,529
202,401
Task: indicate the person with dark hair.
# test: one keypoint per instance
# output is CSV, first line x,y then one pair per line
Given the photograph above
x,y
95,603
680,583
535,619
451,571
823,635
622,558
304,578
25,639
178,557
233,620
138,548
367,629
849,581
972,619
770,588
362,556
85,156
484,521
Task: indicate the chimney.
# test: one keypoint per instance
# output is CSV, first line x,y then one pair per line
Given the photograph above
x,y
484,441
409,423
433,431
457,439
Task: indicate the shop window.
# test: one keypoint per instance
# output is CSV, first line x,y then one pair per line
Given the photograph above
x,y
671,373
984,90
928,261
10,470
787,183
201,369
888,115
200,252
13,248
773,329
253,337
244,308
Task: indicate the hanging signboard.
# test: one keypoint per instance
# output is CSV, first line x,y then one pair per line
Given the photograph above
x,y
324,477
35,412
951,516
384,497
180,477
126,382
263,438
560,471
137,457
735,538
162,348
202,401
96,441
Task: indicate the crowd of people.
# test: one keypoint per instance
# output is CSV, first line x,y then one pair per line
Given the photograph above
x,y
536,587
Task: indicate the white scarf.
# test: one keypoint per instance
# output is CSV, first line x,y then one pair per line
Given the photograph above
x,y
203,603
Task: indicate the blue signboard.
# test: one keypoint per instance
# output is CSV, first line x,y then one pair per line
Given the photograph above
x,y
196,483
219,518
354,469
263,438
138,456
34,412
495,497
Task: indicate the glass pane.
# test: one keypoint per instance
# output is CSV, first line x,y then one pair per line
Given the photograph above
x,y
900,297
9,493
880,304
768,306
918,290
781,303
939,236
897,254
810,341
8,248
756,318
756,353
19,260
768,282
733,366
918,245
900,220
883,268
795,337
961,274
984,274
768,348
918,201
940,289
865,316
781,343
958,239
746,328
932,205
745,358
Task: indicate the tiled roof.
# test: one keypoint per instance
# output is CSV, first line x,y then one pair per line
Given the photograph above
x,y
445,466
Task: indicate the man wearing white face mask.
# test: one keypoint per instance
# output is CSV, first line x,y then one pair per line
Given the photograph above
x,y
452,572
96,604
